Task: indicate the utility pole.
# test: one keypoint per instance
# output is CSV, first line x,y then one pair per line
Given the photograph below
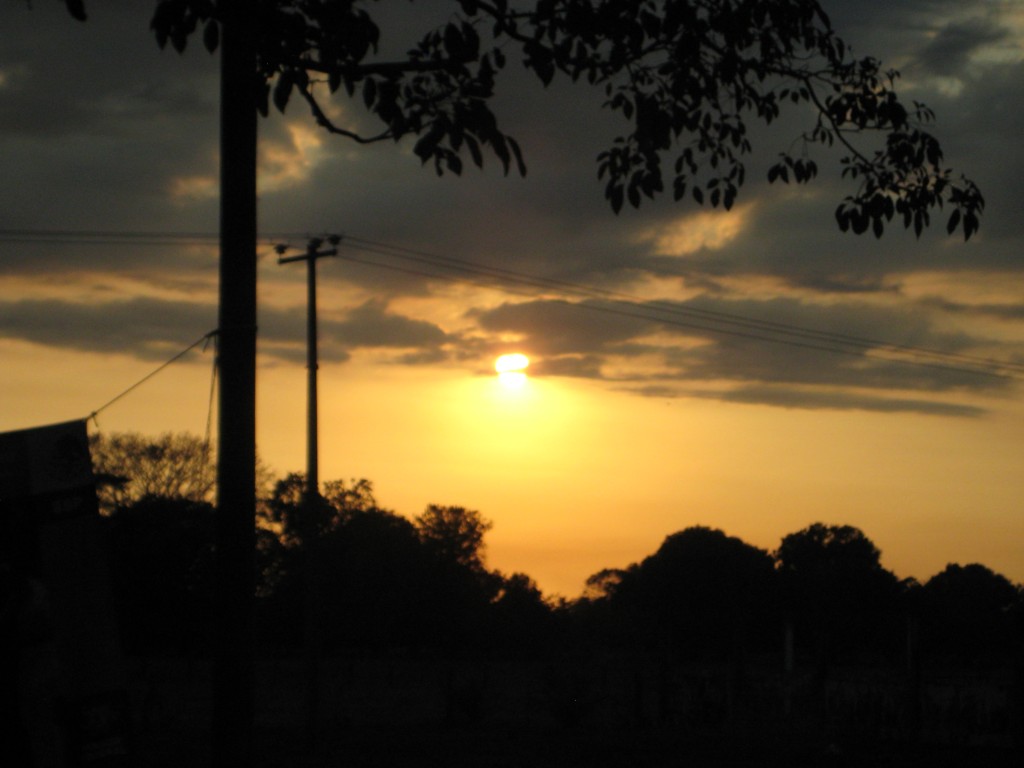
x,y
312,450
234,594
311,500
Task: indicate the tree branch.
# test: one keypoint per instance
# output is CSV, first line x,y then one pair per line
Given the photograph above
x,y
327,124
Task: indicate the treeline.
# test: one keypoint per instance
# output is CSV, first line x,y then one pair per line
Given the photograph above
x,y
385,584
381,581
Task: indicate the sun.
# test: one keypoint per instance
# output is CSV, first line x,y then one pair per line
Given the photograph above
x,y
512,370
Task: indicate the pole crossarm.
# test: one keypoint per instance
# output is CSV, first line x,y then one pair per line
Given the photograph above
x,y
307,256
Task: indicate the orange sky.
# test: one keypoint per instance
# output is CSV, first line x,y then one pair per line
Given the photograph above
x,y
578,477
639,418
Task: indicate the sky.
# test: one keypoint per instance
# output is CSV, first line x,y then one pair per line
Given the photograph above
x,y
683,360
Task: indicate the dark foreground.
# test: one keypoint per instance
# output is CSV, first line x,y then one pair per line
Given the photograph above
x,y
377,747
396,713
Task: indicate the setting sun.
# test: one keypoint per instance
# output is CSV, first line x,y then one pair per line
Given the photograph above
x,y
511,363
512,369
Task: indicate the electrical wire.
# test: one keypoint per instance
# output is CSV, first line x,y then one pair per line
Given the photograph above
x,y
790,335
92,416
696,318
126,237
718,316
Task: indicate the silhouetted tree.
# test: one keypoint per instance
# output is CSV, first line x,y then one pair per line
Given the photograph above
x,y
161,559
285,510
520,621
462,587
454,534
603,584
132,466
685,76
384,581
375,583
283,548
843,602
968,613
706,594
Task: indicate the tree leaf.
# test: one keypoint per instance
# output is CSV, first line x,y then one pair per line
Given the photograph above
x,y
76,8
954,220
427,144
970,225
283,90
518,155
474,151
211,35
369,92
634,195
614,195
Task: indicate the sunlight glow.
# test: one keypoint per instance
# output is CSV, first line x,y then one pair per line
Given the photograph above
x,y
512,379
510,363
511,370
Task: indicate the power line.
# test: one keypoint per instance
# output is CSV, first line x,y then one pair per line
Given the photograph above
x,y
639,314
718,316
788,334
696,318
125,237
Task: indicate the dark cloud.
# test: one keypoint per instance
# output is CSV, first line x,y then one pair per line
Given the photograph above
x,y
561,327
954,45
371,325
998,311
96,122
831,400
368,326
833,365
423,357
147,328
153,328
811,399
774,342
573,366
101,130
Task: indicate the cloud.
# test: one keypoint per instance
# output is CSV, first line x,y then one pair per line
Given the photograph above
x,y
839,400
287,161
369,326
1006,311
693,232
372,325
809,351
96,122
122,136
558,327
153,328
573,366
955,45
144,327
187,189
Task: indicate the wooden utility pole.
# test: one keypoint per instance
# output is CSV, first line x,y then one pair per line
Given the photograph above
x,y
311,500
234,649
312,363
